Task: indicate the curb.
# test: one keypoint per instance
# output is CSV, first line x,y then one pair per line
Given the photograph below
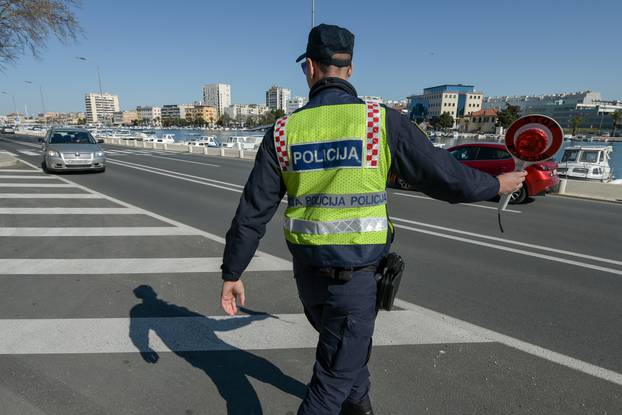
x,y
585,197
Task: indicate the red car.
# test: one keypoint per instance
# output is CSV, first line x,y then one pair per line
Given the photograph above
x,y
493,158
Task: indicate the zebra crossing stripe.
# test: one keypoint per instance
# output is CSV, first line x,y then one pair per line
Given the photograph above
x,y
36,185
101,231
48,196
29,153
69,211
110,266
18,176
207,333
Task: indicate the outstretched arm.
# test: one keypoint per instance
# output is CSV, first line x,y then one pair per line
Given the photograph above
x,y
260,200
139,333
434,171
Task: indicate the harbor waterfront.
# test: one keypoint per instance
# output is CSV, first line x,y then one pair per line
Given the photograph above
x,y
132,258
184,134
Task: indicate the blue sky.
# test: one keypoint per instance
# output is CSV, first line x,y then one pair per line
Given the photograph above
x,y
156,52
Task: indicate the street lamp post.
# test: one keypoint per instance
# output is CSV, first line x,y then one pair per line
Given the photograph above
x,y
14,105
99,76
42,99
99,79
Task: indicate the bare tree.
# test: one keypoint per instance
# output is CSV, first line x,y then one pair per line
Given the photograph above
x,y
26,24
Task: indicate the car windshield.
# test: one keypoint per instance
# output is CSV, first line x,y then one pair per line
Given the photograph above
x,y
465,153
491,153
570,155
71,137
590,156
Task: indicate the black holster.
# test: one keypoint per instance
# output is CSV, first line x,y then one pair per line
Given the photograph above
x,y
389,276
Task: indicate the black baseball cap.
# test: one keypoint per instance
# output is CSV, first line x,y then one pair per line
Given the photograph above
x,y
325,41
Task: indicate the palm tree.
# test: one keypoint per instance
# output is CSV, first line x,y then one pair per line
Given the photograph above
x,y
575,122
615,116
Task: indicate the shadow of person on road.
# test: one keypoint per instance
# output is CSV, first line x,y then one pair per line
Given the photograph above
x,y
227,366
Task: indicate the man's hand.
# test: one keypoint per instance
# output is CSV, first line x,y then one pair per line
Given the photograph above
x,y
231,290
150,356
511,182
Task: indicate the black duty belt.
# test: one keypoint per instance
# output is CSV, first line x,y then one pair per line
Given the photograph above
x,y
344,274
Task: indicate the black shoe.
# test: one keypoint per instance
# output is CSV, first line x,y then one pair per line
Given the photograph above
x,y
362,407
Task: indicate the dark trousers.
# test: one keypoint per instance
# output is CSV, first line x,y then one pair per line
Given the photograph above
x,y
344,314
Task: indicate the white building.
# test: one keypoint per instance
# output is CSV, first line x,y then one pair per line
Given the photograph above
x,y
526,102
244,110
149,113
100,107
457,100
218,96
277,97
294,103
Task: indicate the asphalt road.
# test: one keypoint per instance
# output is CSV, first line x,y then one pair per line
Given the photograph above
x,y
525,322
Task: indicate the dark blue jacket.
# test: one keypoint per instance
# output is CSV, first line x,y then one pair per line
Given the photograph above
x,y
431,170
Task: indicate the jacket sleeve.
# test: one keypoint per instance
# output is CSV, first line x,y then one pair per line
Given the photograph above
x,y
260,200
431,170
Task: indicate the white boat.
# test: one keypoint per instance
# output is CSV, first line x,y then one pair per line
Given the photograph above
x,y
166,139
586,162
124,135
243,142
149,136
205,141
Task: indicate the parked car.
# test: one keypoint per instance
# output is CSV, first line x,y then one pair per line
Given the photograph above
x,y
7,130
493,158
71,149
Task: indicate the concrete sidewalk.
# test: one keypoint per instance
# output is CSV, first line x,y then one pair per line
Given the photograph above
x,y
7,159
591,190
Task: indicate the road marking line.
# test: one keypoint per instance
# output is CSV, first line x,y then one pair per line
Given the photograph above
x,y
206,333
508,241
7,152
529,348
28,266
18,171
24,144
35,185
513,250
69,211
101,231
462,204
184,161
179,176
48,196
277,261
16,176
29,153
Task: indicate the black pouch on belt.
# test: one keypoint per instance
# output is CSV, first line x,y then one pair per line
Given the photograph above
x,y
389,277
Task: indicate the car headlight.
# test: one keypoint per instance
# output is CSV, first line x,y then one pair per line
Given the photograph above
x,y
52,153
99,154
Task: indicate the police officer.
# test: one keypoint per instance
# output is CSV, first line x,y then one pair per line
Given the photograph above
x,y
332,158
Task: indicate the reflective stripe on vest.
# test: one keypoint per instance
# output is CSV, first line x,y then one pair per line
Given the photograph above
x,y
336,227
338,201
